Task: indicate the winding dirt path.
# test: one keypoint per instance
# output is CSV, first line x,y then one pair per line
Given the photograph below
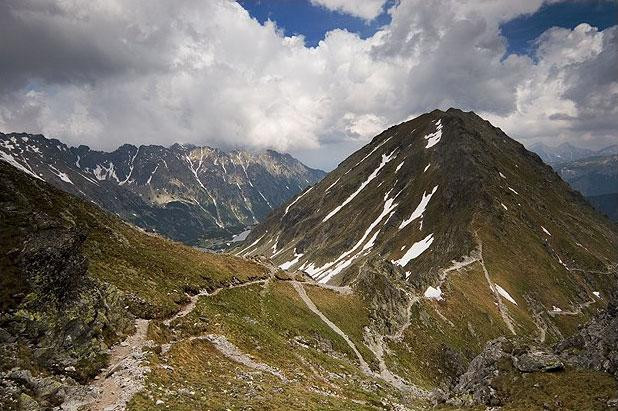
x,y
116,385
190,306
502,308
376,345
229,350
303,295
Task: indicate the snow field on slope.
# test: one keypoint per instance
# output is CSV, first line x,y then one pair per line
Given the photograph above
x,y
420,208
372,176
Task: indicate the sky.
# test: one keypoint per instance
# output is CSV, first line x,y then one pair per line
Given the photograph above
x,y
316,78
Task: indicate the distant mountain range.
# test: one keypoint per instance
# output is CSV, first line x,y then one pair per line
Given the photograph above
x,y
592,173
567,152
597,179
197,195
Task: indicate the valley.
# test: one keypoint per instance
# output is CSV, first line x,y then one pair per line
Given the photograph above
x,y
442,265
197,195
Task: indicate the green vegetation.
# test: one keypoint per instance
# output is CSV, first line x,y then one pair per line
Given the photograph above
x,y
569,389
349,312
272,325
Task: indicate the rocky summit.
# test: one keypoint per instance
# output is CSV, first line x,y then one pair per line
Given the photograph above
x,y
196,195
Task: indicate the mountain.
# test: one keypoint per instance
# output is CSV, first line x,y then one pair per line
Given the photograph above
x,y
596,178
591,176
190,194
455,234
561,153
96,313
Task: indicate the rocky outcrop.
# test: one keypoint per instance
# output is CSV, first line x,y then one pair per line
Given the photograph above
x,y
377,282
475,386
59,333
595,346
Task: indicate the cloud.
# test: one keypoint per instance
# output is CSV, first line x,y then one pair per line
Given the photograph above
x,y
571,93
108,72
365,9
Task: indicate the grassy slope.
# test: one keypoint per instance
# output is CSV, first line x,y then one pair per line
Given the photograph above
x,y
264,322
349,312
157,271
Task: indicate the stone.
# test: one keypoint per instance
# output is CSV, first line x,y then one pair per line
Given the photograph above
x,y
538,361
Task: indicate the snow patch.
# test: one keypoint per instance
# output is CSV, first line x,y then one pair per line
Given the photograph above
x,y
399,166
105,173
597,294
295,200
332,185
370,153
513,191
385,160
11,160
251,245
152,174
434,138
131,163
505,294
417,249
556,309
62,176
427,167
433,293
267,202
420,208
503,206
286,266
325,273
502,175
545,231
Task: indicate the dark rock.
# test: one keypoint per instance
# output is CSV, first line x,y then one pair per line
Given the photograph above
x,y
537,361
594,346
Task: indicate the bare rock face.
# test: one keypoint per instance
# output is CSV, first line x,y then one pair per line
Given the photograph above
x,y
377,282
63,323
196,195
476,385
595,345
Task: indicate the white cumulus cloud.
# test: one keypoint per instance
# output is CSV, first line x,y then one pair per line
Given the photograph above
x,y
365,9
104,73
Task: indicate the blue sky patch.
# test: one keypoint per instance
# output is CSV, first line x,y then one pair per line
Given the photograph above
x,y
313,22
522,31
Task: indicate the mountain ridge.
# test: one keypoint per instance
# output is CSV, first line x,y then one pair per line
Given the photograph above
x,y
189,193
440,195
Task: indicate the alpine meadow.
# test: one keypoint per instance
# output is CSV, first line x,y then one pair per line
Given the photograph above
x,y
308,205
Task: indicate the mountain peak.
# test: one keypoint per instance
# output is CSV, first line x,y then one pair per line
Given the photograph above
x,y
193,194
440,192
